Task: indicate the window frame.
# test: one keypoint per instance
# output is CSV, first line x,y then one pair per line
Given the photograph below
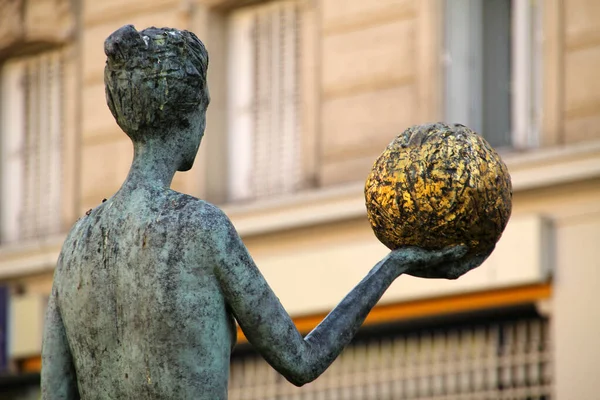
x,y
67,208
11,179
526,69
211,22
264,119
527,73
45,122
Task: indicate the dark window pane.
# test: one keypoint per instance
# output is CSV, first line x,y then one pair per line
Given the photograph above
x,y
497,72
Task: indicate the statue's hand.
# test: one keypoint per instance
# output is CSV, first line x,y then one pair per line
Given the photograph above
x,y
444,267
410,259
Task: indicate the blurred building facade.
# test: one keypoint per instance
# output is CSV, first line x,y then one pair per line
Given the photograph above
x,y
305,95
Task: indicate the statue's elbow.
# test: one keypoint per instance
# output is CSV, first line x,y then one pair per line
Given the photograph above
x,y
300,377
298,381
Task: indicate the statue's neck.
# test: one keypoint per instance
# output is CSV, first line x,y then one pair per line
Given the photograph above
x,y
153,165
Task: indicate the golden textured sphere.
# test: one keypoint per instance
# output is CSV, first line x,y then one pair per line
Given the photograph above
x,y
439,185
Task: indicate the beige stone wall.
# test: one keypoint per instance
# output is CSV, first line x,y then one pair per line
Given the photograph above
x,y
374,71
576,319
381,72
581,65
376,68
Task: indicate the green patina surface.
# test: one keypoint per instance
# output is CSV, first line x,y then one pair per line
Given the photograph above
x,y
149,283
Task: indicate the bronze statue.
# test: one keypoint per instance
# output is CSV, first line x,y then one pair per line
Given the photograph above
x,y
149,284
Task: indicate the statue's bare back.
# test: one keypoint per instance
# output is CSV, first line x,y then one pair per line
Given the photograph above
x,y
136,296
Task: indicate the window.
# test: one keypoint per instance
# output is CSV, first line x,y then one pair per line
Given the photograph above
x,y
263,101
509,359
492,69
31,122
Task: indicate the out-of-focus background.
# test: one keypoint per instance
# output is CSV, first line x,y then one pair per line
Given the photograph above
x,y
305,95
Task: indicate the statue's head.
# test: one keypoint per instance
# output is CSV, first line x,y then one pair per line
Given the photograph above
x,y
156,87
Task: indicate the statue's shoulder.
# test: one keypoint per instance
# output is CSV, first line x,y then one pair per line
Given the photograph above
x,y
202,225
198,213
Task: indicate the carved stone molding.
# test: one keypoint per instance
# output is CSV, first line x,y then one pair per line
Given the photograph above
x,y
30,23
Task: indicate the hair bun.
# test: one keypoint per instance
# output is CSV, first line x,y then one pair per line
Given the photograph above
x,y
121,43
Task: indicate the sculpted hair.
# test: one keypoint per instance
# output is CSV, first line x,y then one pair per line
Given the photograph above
x,y
154,79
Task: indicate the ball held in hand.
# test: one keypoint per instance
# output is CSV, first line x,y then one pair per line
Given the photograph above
x,y
439,185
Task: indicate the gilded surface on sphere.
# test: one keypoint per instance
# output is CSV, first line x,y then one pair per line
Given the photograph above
x,y
439,185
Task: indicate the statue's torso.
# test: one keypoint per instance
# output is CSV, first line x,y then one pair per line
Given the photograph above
x,y
142,309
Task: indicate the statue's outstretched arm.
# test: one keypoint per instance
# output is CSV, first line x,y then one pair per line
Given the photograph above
x,y
269,328
58,380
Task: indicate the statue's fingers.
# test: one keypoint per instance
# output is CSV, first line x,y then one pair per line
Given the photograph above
x,y
449,254
458,268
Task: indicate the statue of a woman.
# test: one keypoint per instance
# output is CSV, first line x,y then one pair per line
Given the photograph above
x,y
148,283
